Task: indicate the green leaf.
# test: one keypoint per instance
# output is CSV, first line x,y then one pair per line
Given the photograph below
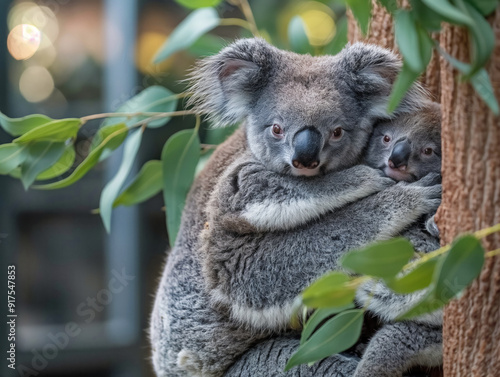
x,y
113,187
382,259
318,317
19,126
153,99
461,265
417,279
188,31
404,81
426,45
425,16
482,84
11,156
179,158
195,4
297,36
480,81
449,12
336,335
427,305
362,12
455,271
61,166
40,156
482,36
103,133
340,39
91,160
390,5
145,185
56,130
486,7
407,39
330,290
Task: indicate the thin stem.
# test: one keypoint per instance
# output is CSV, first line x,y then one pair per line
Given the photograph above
x,y
236,22
132,115
486,232
247,12
492,253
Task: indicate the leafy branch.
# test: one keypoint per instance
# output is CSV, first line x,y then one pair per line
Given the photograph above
x,y
444,274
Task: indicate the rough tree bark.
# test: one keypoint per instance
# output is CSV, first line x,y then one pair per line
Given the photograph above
x,y
471,193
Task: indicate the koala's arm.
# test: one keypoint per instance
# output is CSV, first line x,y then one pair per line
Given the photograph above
x,y
269,358
399,346
250,197
256,277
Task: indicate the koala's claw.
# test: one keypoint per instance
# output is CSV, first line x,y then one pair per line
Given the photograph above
x,y
431,227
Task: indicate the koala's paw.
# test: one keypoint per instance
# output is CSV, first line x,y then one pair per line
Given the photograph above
x,y
427,197
431,227
431,179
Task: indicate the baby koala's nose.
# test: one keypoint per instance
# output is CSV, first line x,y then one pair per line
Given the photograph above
x,y
307,145
400,155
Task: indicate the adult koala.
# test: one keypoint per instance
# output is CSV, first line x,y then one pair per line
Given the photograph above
x,y
303,116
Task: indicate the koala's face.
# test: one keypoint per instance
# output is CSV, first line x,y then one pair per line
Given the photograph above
x,y
409,146
304,115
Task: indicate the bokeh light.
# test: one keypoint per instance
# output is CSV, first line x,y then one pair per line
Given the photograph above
x,y
23,41
319,25
148,45
36,84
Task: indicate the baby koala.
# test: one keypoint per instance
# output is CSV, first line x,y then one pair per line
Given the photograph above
x,y
408,149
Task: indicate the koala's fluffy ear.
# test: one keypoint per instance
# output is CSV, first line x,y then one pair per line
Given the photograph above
x,y
223,86
370,72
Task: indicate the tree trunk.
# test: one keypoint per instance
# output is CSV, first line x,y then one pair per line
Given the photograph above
x,y
471,192
471,201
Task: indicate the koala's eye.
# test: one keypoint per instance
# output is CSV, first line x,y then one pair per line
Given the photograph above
x,y
428,151
386,138
337,133
277,131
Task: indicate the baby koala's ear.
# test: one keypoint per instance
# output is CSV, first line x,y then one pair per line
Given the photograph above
x,y
223,86
370,72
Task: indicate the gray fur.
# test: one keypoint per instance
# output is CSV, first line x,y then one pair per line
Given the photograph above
x,y
231,278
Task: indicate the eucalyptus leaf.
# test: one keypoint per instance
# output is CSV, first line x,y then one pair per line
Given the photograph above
x,y
19,126
427,305
425,16
486,7
390,5
449,12
11,156
152,99
147,183
91,160
481,34
482,84
340,39
40,156
407,39
188,31
417,279
461,265
61,166
362,12
297,36
404,81
382,259
113,187
318,317
195,4
56,130
330,290
336,335
179,158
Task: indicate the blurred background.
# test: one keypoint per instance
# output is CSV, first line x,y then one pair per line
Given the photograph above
x,y
83,297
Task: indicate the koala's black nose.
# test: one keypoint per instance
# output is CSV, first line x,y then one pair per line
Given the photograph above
x,y
307,144
400,155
